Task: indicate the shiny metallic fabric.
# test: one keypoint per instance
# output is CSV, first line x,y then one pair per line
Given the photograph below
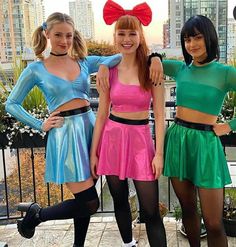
x,y
68,147
126,151
195,155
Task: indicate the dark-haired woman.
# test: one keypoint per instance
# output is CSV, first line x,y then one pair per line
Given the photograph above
x,y
194,157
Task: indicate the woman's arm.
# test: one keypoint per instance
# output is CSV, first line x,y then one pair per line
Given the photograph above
x,y
158,94
101,64
231,79
155,70
155,73
224,128
95,61
14,102
172,67
102,114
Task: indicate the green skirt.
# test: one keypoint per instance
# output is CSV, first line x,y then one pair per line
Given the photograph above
x,y
195,155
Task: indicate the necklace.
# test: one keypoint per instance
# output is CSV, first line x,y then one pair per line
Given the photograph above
x,y
58,55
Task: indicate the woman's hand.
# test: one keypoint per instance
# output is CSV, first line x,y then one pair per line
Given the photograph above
x,y
102,78
156,71
93,165
157,165
53,121
221,129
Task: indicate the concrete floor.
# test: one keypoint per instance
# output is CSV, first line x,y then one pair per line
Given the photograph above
x,y
103,232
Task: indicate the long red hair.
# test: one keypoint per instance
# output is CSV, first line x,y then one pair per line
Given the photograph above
x,y
132,23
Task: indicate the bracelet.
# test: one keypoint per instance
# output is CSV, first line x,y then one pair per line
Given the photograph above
x,y
154,54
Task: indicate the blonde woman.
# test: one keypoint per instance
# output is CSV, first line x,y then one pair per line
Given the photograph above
x,y
63,77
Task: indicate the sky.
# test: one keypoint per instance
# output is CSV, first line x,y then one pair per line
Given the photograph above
x,y
153,32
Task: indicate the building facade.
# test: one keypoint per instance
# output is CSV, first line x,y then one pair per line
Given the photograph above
x,y
19,19
166,35
231,42
82,13
216,10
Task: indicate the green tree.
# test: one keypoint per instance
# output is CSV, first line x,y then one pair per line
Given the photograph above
x,y
101,48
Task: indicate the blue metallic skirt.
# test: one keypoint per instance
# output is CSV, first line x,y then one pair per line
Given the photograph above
x,y
68,149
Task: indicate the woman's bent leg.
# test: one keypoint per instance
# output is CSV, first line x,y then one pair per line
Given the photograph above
x,y
82,206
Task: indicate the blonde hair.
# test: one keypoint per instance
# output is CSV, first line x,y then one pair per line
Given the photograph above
x,y
78,50
132,23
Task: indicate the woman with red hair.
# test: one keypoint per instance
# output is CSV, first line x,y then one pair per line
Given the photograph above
x,y
122,146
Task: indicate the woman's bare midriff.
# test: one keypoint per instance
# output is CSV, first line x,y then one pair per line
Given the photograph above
x,y
73,104
194,116
132,115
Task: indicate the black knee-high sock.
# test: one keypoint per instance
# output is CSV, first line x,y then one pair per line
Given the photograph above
x,y
85,204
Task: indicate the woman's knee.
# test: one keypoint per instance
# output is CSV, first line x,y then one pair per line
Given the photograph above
x,y
214,225
121,200
121,204
93,206
151,214
87,201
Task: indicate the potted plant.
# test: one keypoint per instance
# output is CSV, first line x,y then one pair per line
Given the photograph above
x,y
228,112
229,215
13,133
163,209
133,205
178,217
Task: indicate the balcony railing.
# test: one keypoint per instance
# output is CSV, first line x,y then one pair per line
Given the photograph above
x,y
21,179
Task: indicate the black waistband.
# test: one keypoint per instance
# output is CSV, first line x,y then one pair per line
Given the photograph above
x,y
128,121
74,111
197,126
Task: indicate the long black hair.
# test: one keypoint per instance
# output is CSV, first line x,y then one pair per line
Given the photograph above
x,y
201,24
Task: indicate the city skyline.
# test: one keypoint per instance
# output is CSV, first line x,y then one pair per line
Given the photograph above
x,y
153,32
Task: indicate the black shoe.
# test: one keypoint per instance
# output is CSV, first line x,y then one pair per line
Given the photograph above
x,y
26,226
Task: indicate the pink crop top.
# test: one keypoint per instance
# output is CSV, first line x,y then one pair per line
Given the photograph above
x,y
127,98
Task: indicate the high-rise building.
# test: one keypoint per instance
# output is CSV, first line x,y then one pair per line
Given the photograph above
x,y
176,21
216,10
166,35
19,19
231,41
82,13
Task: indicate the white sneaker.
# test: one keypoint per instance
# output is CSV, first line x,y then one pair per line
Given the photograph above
x,y
131,244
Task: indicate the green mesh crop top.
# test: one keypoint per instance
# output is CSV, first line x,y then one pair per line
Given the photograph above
x,y
202,88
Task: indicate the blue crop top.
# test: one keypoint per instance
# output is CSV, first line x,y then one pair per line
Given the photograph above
x,y
202,88
56,90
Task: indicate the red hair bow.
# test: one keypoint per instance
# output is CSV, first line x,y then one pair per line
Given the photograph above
x,y
113,11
